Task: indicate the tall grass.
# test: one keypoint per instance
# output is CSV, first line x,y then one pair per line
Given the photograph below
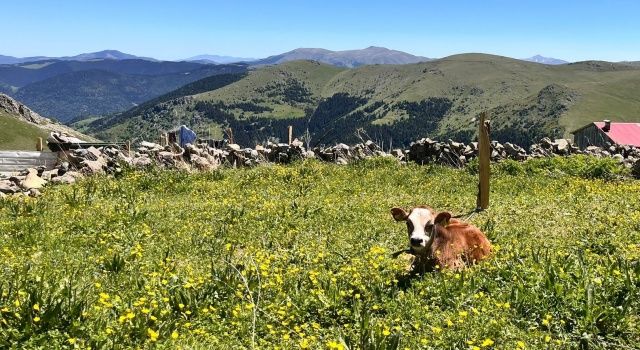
x,y
300,257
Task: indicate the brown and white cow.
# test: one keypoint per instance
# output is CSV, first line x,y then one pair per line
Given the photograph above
x,y
438,241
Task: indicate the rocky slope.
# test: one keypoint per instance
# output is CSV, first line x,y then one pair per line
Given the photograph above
x,y
20,123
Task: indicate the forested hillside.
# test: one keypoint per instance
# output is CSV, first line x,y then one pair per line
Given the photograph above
x,y
397,104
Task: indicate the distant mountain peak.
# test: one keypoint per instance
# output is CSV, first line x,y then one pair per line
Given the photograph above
x,y
346,58
217,59
545,60
105,55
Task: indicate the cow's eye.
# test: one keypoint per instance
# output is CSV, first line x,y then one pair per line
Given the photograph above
x,y
428,227
410,226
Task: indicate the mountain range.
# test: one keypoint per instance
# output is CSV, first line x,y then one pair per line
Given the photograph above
x,y
329,96
100,55
346,58
217,59
67,90
393,103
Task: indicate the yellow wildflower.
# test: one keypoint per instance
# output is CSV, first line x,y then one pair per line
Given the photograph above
x,y
487,342
153,335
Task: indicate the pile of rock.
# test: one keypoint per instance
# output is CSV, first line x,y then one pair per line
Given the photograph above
x,y
427,151
30,181
203,157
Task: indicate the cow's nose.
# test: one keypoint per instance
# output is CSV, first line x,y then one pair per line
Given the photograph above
x,y
416,241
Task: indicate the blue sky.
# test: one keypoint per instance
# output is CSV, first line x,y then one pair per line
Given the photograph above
x,y
571,30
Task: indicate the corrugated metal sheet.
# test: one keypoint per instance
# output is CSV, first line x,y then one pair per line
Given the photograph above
x,y
623,133
12,161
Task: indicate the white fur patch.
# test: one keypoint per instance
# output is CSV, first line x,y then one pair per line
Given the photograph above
x,y
419,218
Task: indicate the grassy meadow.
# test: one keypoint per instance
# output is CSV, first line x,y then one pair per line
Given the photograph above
x,y
299,257
18,135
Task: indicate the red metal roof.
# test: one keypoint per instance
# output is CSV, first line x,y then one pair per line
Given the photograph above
x,y
623,133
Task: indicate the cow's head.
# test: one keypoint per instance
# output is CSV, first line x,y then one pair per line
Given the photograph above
x,y
420,222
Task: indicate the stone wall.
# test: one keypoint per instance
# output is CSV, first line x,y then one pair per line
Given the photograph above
x,y
202,157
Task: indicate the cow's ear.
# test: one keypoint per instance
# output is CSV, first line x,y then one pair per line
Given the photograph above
x,y
442,218
399,214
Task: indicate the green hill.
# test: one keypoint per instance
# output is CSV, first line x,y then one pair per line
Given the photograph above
x,y
18,135
399,103
20,126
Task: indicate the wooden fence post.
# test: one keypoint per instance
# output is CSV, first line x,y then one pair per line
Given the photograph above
x,y
230,135
128,146
290,129
164,139
39,144
484,156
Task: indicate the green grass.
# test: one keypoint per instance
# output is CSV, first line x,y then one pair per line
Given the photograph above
x,y
300,256
18,135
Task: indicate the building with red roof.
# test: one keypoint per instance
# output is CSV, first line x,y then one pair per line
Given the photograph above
x,y
605,132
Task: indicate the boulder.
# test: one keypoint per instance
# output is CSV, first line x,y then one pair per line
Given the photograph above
x,y
618,157
201,163
67,178
372,145
593,150
341,147
63,168
122,158
93,167
283,157
8,187
47,175
166,155
154,147
32,180
468,151
455,145
398,153
546,143
342,161
93,153
561,146
514,151
142,161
